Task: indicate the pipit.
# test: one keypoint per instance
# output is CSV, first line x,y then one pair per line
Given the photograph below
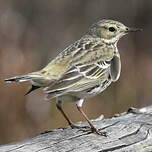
x,y
84,69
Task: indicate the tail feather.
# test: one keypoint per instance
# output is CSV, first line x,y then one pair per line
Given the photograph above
x,y
32,89
18,79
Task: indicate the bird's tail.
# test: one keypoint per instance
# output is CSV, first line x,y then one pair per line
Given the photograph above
x,y
20,78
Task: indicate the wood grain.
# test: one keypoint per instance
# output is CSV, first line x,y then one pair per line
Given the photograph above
x,y
127,132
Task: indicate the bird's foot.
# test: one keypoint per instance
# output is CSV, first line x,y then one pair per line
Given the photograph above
x,y
88,129
94,130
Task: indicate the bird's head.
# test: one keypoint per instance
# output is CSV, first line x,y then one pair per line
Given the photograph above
x,y
109,30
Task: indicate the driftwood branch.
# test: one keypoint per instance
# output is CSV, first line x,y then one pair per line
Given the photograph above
x,y
127,132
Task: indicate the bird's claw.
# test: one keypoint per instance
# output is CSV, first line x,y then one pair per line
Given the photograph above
x,y
94,130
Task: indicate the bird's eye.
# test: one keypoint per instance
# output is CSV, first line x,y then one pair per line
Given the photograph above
x,y
112,29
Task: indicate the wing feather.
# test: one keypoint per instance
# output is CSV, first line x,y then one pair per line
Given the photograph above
x,y
87,66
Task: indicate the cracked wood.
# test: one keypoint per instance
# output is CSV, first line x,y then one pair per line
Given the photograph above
x,y
130,131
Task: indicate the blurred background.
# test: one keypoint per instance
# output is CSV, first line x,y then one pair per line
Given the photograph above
x,y
32,32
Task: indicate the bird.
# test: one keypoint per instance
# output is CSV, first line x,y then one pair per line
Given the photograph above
x,y
82,70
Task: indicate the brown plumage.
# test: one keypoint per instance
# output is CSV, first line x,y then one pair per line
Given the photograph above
x,y
84,69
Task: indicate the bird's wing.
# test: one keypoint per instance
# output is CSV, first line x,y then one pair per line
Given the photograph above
x,y
91,61
75,75
63,62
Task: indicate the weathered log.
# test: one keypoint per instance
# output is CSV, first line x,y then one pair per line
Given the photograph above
x,y
127,132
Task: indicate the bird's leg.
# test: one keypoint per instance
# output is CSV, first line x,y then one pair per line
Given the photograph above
x,y
93,129
59,107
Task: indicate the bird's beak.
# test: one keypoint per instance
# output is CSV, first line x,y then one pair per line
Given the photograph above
x,y
133,29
